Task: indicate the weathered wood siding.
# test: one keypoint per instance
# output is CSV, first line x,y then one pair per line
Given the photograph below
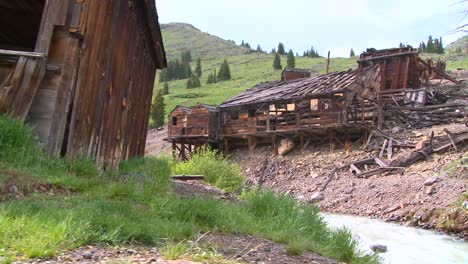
x,y
86,86
115,83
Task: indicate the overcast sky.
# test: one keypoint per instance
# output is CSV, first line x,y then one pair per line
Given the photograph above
x,y
335,25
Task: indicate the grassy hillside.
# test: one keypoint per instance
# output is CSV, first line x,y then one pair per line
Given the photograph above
x,y
180,36
247,69
461,43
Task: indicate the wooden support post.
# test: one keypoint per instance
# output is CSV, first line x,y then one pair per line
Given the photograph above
x,y
226,147
396,85
273,144
364,136
347,141
252,142
328,62
331,137
301,140
405,80
174,149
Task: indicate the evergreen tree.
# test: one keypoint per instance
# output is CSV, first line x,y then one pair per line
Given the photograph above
x,y
157,110
277,62
430,48
198,68
281,50
273,51
259,49
224,72
165,89
440,49
242,43
351,53
291,61
193,82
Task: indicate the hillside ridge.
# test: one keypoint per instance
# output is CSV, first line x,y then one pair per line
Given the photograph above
x,y
183,36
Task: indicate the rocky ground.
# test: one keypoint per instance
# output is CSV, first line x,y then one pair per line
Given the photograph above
x,y
428,194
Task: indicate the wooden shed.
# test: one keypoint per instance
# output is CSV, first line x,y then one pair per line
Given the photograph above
x,y
295,73
81,72
192,127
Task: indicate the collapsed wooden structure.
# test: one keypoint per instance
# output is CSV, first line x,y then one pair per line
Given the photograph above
x,y
81,73
339,107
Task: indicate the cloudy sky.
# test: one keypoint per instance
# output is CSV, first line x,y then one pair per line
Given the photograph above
x,y
335,25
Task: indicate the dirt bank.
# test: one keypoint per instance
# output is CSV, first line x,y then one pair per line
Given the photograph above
x,y
429,194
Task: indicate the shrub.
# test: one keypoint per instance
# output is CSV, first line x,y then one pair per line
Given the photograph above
x,y
216,169
17,142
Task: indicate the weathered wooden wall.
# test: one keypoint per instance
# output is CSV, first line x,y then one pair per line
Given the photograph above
x,y
198,121
115,83
87,85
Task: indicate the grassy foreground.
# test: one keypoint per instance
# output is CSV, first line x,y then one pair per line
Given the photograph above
x,y
135,204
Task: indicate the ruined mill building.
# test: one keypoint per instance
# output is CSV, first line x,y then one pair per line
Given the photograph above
x,y
337,107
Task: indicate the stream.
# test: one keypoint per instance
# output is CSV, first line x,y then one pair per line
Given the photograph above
x,y
404,244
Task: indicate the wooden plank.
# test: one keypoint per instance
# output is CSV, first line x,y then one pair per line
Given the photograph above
x,y
22,53
18,96
55,12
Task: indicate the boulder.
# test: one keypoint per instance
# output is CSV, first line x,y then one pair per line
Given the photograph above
x,y
316,197
379,248
431,181
430,190
286,146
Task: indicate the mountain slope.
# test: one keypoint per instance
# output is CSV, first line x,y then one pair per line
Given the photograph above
x,y
180,36
461,43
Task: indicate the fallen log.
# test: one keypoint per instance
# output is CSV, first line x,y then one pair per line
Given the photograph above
x,y
184,177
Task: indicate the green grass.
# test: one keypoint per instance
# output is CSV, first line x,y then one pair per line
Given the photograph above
x,y
135,204
215,169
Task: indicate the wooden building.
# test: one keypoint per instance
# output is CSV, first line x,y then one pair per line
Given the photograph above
x,y
318,106
295,73
191,127
339,107
81,73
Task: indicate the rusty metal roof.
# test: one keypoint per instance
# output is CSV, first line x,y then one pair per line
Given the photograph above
x,y
295,89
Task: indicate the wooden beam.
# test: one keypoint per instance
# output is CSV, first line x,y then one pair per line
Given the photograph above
x,y
226,147
22,53
273,144
388,56
347,141
331,138
328,62
405,79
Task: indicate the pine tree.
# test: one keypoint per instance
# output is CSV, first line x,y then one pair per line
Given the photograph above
x,y
277,62
198,68
157,110
291,61
165,89
193,82
259,49
273,51
224,72
242,43
440,50
430,48
351,53
281,50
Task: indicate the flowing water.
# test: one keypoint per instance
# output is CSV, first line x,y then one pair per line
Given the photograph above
x,y
404,244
